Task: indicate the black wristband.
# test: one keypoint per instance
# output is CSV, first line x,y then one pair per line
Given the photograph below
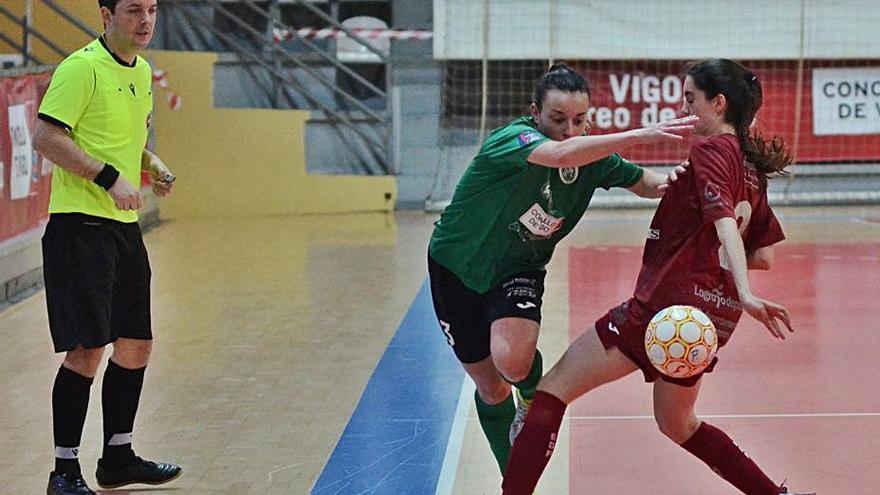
x,y
107,176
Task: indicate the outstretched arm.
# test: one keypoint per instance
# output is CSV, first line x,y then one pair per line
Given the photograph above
x,y
767,312
581,150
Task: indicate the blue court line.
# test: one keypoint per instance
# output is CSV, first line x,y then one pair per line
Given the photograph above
x,y
397,436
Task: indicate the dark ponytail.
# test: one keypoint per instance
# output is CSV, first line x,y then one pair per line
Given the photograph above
x,y
744,95
561,77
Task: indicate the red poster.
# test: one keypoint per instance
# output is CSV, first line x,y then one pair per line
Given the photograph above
x,y
628,95
23,175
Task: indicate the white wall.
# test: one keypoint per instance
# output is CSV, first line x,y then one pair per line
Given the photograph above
x,y
640,29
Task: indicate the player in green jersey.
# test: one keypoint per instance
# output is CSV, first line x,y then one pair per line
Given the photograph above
x,y
93,124
526,189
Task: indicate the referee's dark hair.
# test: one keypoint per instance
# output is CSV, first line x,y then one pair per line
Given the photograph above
x,y
110,4
563,78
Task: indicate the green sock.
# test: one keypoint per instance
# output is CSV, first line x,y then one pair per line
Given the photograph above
x,y
528,385
495,421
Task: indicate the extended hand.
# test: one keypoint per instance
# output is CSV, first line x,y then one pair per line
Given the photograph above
x,y
670,130
672,176
768,312
162,178
125,195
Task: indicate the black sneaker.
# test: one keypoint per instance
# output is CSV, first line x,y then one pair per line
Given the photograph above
x,y
137,471
67,484
786,492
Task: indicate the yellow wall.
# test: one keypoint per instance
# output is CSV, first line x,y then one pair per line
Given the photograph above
x,y
56,28
244,162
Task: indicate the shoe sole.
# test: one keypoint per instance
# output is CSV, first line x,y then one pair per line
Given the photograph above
x,y
135,482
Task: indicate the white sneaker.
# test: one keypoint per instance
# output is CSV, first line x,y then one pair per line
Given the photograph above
x,y
522,409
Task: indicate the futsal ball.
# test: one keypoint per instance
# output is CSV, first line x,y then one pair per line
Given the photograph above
x,y
681,341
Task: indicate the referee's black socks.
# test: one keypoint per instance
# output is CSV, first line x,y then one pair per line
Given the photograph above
x,y
70,401
120,396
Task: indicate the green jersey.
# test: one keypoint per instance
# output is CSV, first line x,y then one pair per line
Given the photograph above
x,y
507,215
106,105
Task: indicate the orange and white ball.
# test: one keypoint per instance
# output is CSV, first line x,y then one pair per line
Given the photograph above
x,y
681,341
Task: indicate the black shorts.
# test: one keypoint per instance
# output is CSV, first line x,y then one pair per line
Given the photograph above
x,y
97,281
466,316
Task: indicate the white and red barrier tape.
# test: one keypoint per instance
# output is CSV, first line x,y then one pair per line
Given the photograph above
x,y
280,35
160,77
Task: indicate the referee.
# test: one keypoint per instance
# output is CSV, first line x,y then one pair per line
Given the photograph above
x,y
93,124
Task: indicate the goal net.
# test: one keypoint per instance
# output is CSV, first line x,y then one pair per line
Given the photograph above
x,y
818,61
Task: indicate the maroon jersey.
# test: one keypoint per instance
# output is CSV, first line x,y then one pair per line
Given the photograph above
x,y
683,263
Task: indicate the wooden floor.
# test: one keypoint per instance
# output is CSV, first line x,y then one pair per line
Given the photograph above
x,y
268,331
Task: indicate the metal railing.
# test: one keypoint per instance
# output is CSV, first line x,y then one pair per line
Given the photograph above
x,y
27,32
262,50
371,128
70,18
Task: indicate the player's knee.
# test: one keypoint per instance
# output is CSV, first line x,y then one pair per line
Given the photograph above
x,y
84,362
513,347
677,429
668,427
514,367
131,353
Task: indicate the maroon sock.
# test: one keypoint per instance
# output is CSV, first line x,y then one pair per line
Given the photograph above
x,y
534,445
716,449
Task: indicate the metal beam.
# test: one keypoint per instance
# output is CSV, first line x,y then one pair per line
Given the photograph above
x,y
55,48
70,18
246,53
287,56
324,55
333,22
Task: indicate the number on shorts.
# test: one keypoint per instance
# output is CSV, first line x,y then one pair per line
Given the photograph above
x,y
449,338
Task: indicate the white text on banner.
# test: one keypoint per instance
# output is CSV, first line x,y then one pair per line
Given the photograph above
x,y
22,153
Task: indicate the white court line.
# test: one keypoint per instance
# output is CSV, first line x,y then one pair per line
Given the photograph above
x,y
865,220
456,434
742,416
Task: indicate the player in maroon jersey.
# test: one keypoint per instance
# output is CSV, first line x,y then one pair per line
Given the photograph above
x,y
710,228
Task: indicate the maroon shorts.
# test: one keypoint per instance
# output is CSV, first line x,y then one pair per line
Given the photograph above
x,y
624,327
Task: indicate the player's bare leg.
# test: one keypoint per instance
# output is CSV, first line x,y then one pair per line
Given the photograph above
x,y
584,366
512,347
674,412
514,344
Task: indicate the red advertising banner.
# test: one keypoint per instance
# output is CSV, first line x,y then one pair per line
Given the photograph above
x,y
628,95
24,176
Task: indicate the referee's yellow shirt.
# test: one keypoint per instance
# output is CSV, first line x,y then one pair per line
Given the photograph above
x,y
106,105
